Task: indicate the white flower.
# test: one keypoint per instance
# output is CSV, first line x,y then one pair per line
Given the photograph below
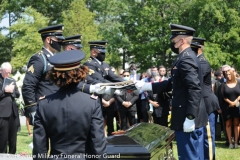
x,y
19,82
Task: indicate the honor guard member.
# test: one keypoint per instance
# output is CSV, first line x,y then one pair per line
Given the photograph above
x,y
98,69
74,43
189,115
69,121
35,83
211,101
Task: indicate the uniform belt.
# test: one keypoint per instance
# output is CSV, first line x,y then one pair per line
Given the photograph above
x,y
30,105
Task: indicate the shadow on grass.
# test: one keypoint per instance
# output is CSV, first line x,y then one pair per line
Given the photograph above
x,y
221,144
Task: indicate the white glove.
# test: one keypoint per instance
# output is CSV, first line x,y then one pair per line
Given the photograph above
x,y
33,114
150,108
30,146
188,125
143,86
118,92
108,90
96,89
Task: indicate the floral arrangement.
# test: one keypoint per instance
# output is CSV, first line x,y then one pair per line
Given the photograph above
x,y
18,77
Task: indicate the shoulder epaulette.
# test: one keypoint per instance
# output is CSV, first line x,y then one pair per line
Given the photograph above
x,y
185,53
39,53
90,59
202,58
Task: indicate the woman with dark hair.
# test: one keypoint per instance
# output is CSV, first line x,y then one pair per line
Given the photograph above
x,y
70,120
231,96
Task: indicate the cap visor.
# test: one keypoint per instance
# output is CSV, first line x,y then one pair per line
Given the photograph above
x,y
60,37
173,36
102,50
78,45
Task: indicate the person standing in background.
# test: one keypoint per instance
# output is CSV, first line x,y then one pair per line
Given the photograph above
x,y
127,105
231,96
9,117
133,73
162,73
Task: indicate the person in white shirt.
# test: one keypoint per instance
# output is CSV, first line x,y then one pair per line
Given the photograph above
x,y
133,73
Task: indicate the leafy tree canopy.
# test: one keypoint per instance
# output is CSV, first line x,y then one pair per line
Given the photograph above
x,y
79,20
26,39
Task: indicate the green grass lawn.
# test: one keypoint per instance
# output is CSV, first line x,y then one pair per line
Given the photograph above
x,y
222,152
23,140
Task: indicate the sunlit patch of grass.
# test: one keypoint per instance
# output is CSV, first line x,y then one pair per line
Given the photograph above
x,y
23,140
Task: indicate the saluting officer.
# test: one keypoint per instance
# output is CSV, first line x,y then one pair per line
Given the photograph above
x,y
35,83
70,119
74,43
189,114
210,99
98,69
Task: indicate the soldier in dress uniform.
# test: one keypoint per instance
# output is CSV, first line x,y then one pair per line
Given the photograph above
x,y
35,83
74,43
189,115
98,69
211,101
69,121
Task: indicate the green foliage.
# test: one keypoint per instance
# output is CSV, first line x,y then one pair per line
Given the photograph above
x,y
49,8
26,39
79,20
139,28
148,31
13,9
110,14
4,49
217,21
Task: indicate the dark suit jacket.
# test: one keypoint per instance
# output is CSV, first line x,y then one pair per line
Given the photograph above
x,y
73,123
131,97
163,101
8,104
185,83
101,72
